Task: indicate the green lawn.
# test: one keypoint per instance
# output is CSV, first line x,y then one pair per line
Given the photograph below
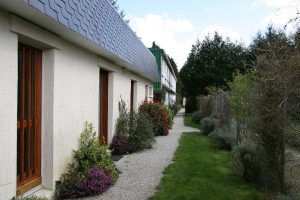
x,y
201,172
189,122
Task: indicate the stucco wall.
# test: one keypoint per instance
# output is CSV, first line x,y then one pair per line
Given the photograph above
x,y
75,100
119,88
8,108
70,97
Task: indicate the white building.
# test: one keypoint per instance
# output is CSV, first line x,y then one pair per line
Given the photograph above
x,y
167,75
62,63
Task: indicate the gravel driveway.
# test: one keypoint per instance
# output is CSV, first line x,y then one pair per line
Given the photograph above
x,y
142,171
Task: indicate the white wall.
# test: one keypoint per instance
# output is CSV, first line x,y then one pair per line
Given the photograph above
x,y
70,96
8,108
119,88
76,100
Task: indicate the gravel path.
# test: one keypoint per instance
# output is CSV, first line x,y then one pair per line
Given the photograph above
x,y
142,171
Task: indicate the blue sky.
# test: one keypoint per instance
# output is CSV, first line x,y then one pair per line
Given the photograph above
x,y
176,24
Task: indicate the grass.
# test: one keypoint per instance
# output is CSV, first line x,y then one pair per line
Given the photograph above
x,y
189,122
199,171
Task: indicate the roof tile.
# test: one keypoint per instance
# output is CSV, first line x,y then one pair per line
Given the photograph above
x,y
99,22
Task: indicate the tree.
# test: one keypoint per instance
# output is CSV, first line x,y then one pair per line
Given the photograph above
x,y
262,44
240,100
213,62
277,75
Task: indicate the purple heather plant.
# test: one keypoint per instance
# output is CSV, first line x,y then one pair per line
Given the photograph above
x,y
120,145
93,182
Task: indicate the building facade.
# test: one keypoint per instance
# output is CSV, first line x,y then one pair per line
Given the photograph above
x,y
167,76
62,63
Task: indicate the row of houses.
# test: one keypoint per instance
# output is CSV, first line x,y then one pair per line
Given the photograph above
x,y
64,63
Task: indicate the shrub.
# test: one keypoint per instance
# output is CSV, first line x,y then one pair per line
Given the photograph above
x,y
122,125
175,108
138,132
88,155
246,157
159,95
95,181
158,116
205,105
197,117
142,137
76,185
120,145
220,140
208,124
170,116
191,105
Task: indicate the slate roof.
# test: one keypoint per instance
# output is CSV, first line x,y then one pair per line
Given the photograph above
x,y
99,22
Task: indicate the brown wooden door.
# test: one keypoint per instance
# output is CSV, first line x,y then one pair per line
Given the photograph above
x,y
103,106
131,95
29,118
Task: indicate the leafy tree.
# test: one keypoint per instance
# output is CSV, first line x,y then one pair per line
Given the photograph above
x,y
213,62
240,100
276,80
262,44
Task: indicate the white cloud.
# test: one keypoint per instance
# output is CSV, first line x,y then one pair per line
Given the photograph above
x,y
252,6
285,11
280,3
175,36
225,32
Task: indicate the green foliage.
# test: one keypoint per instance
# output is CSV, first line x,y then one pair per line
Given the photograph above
x,y
142,137
170,116
135,128
208,124
220,140
264,42
212,62
189,122
175,108
247,164
199,171
205,104
159,117
191,105
159,95
277,76
240,100
197,117
88,155
122,125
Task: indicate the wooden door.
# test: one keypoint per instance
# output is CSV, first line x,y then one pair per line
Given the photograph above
x,y
131,95
103,106
29,118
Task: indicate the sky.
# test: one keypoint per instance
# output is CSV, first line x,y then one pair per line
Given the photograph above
x,y
175,25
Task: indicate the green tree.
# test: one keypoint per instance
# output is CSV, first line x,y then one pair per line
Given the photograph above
x,y
240,100
277,75
213,62
263,43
